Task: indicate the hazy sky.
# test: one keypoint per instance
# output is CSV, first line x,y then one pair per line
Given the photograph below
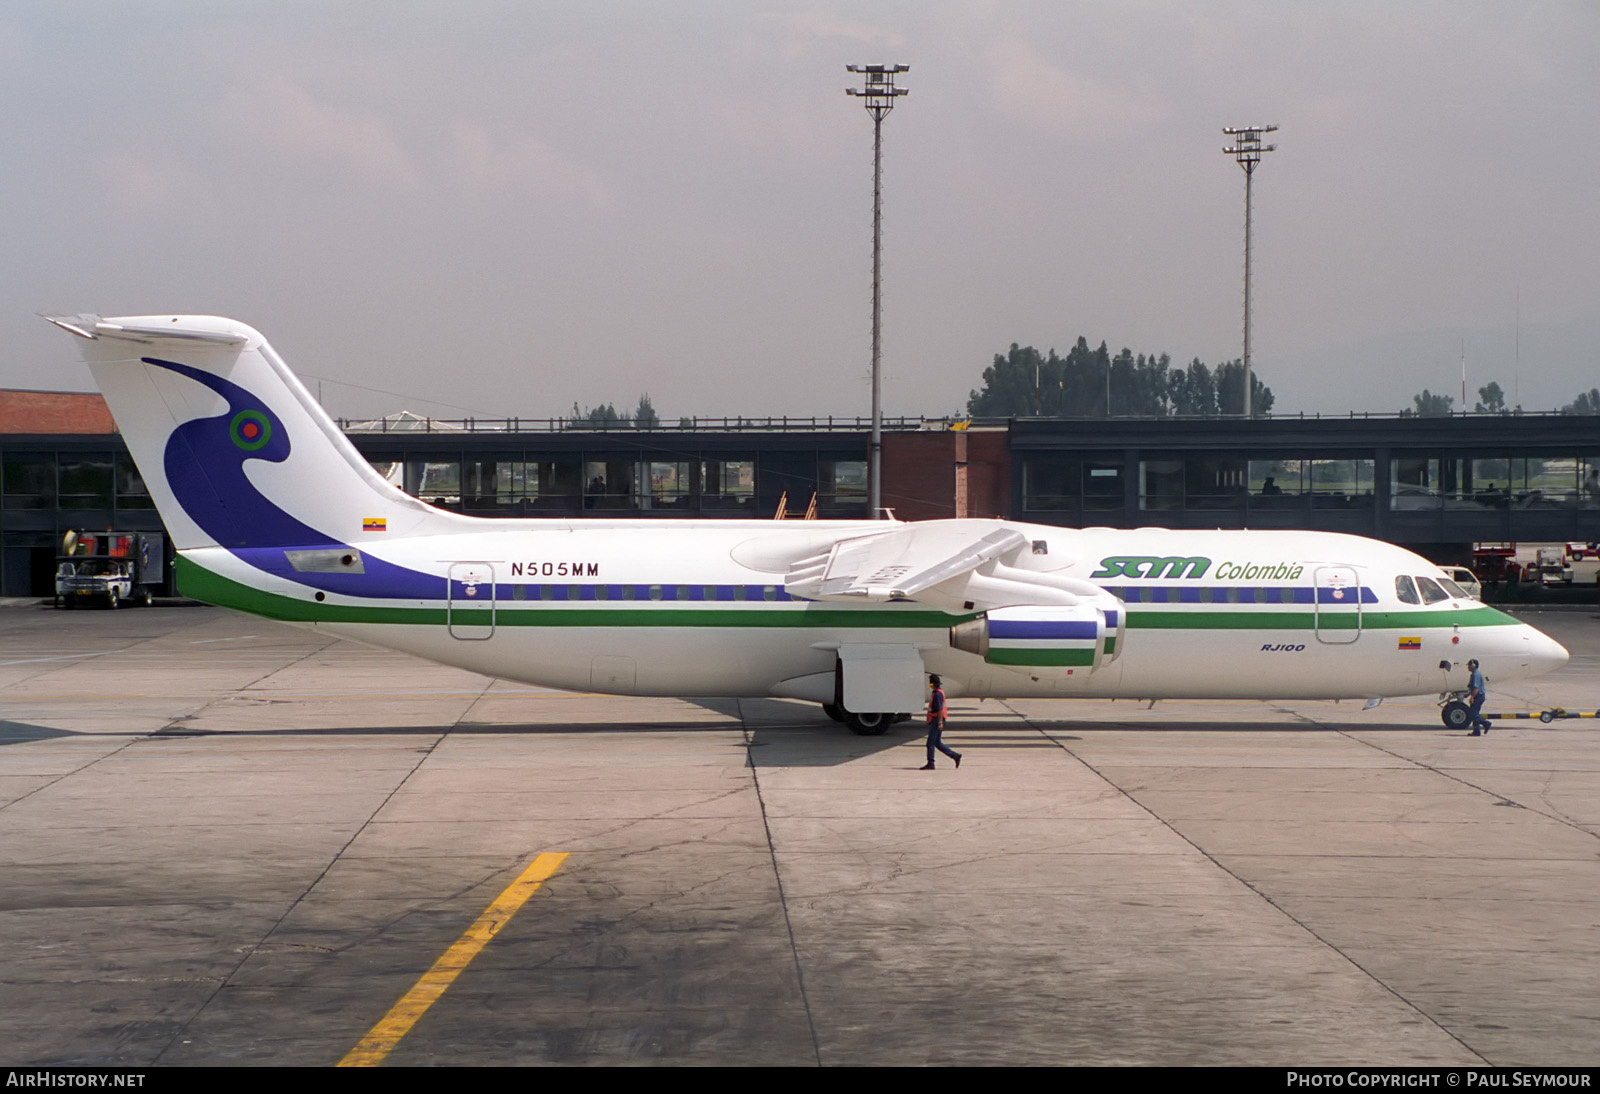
x,y
509,207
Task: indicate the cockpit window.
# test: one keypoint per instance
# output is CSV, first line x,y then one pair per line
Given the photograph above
x,y
1406,590
1453,589
1431,593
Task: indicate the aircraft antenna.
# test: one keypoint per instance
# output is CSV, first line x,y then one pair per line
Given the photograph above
x,y
879,94
1247,150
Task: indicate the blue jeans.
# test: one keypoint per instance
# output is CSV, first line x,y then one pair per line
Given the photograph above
x,y
935,740
1475,712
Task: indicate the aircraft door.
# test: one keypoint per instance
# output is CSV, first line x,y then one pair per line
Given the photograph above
x,y
470,609
1338,605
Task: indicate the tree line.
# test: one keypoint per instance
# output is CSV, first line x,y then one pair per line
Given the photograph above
x,y
1091,383
605,415
1491,400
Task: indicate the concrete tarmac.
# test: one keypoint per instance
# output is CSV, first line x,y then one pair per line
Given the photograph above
x,y
226,841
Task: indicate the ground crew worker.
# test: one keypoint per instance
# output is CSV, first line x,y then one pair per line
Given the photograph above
x,y
1476,694
936,709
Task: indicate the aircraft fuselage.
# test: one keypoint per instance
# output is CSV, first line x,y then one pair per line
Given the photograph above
x,y
667,608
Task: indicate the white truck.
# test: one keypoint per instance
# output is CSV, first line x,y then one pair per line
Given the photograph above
x,y
110,568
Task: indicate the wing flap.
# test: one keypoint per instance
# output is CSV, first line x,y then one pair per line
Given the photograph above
x,y
900,563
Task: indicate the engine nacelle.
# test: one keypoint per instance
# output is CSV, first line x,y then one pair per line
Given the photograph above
x,y
1050,636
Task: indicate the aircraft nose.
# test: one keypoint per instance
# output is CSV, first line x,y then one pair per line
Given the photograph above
x,y
1545,654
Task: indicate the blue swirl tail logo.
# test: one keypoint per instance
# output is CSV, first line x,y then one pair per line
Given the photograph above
x,y
204,461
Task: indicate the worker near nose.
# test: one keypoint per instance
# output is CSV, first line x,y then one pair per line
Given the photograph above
x,y
1476,694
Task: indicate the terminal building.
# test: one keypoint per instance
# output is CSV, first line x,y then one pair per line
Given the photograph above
x,y
1436,485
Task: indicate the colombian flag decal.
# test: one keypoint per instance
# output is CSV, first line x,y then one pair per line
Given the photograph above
x,y
1411,643
375,524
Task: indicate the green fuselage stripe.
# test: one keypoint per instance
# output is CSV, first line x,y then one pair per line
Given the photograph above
x,y
1003,656
1212,619
200,583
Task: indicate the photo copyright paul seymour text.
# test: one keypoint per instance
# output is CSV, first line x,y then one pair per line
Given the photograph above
x,y
1467,1079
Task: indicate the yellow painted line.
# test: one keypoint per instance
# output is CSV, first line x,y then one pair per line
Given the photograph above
x,y
381,1038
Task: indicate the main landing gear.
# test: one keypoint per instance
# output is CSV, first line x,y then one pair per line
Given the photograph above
x,y
863,725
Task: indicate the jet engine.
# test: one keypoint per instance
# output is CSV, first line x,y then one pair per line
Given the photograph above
x,y
1051,636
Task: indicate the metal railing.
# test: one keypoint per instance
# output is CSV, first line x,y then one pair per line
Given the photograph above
x,y
854,424
775,424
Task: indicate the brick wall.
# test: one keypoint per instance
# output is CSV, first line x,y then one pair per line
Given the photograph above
x,y
54,412
919,474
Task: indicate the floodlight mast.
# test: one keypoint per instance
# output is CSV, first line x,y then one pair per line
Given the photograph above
x,y
879,94
1247,150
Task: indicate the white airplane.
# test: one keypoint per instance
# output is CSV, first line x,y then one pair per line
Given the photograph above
x,y
272,511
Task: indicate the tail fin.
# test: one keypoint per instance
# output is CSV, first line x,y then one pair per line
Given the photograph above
x,y
232,448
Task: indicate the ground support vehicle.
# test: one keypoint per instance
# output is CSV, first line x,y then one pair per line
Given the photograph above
x,y
110,568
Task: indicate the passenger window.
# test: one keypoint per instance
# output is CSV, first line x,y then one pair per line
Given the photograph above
x,y
1431,593
1406,590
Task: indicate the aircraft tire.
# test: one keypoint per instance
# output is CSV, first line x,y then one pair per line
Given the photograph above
x,y
834,711
1455,715
867,725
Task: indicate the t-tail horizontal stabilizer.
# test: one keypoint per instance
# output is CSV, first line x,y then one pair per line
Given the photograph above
x,y
233,449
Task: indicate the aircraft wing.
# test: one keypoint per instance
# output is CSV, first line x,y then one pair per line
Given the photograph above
x,y
954,565
900,563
